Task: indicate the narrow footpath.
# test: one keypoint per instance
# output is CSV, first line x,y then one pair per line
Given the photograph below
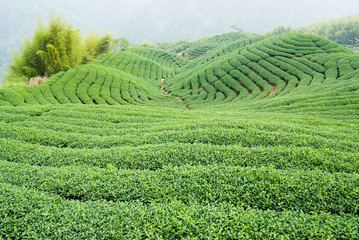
x,y
169,94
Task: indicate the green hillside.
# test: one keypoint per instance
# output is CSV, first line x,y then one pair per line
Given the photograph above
x,y
274,66
132,77
268,150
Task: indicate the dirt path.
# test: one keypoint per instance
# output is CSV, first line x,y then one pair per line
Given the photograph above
x,y
273,90
169,94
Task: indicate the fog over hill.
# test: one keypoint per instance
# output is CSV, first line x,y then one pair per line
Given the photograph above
x,y
162,20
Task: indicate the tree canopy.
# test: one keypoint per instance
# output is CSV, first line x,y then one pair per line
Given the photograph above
x,y
57,46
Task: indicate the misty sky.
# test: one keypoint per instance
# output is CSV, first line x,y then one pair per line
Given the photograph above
x,y
162,20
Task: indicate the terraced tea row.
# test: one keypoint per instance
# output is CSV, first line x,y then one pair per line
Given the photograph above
x,y
270,67
145,63
337,99
83,135
204,46
260,188
53,217
89,84
246,135
219,51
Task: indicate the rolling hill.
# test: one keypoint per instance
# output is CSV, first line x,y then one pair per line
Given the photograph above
x,y
268,149
275,66
132,77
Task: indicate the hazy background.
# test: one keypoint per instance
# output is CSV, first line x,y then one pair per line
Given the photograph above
x,y
162,20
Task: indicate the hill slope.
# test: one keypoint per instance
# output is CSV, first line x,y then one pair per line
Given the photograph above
x,y
125,78
272,67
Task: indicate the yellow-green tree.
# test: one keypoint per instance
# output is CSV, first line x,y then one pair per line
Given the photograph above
x,y
97,46
92,46
55,47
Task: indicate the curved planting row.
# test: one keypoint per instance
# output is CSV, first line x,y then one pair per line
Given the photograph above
x,y
125,136
271,67
48,216
162,57
204,46
264,188
147,63
219,52
88,84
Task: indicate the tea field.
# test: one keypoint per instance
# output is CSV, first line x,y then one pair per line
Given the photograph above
x,y
267,148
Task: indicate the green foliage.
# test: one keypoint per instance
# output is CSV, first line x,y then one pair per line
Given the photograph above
x,y
58,47
46,216
280,30
175,47
105,44
250,69
98,46
255,68
264,189
55,47
127,77
120,44
92,45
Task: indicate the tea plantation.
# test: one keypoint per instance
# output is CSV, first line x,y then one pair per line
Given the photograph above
x,y
267,148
